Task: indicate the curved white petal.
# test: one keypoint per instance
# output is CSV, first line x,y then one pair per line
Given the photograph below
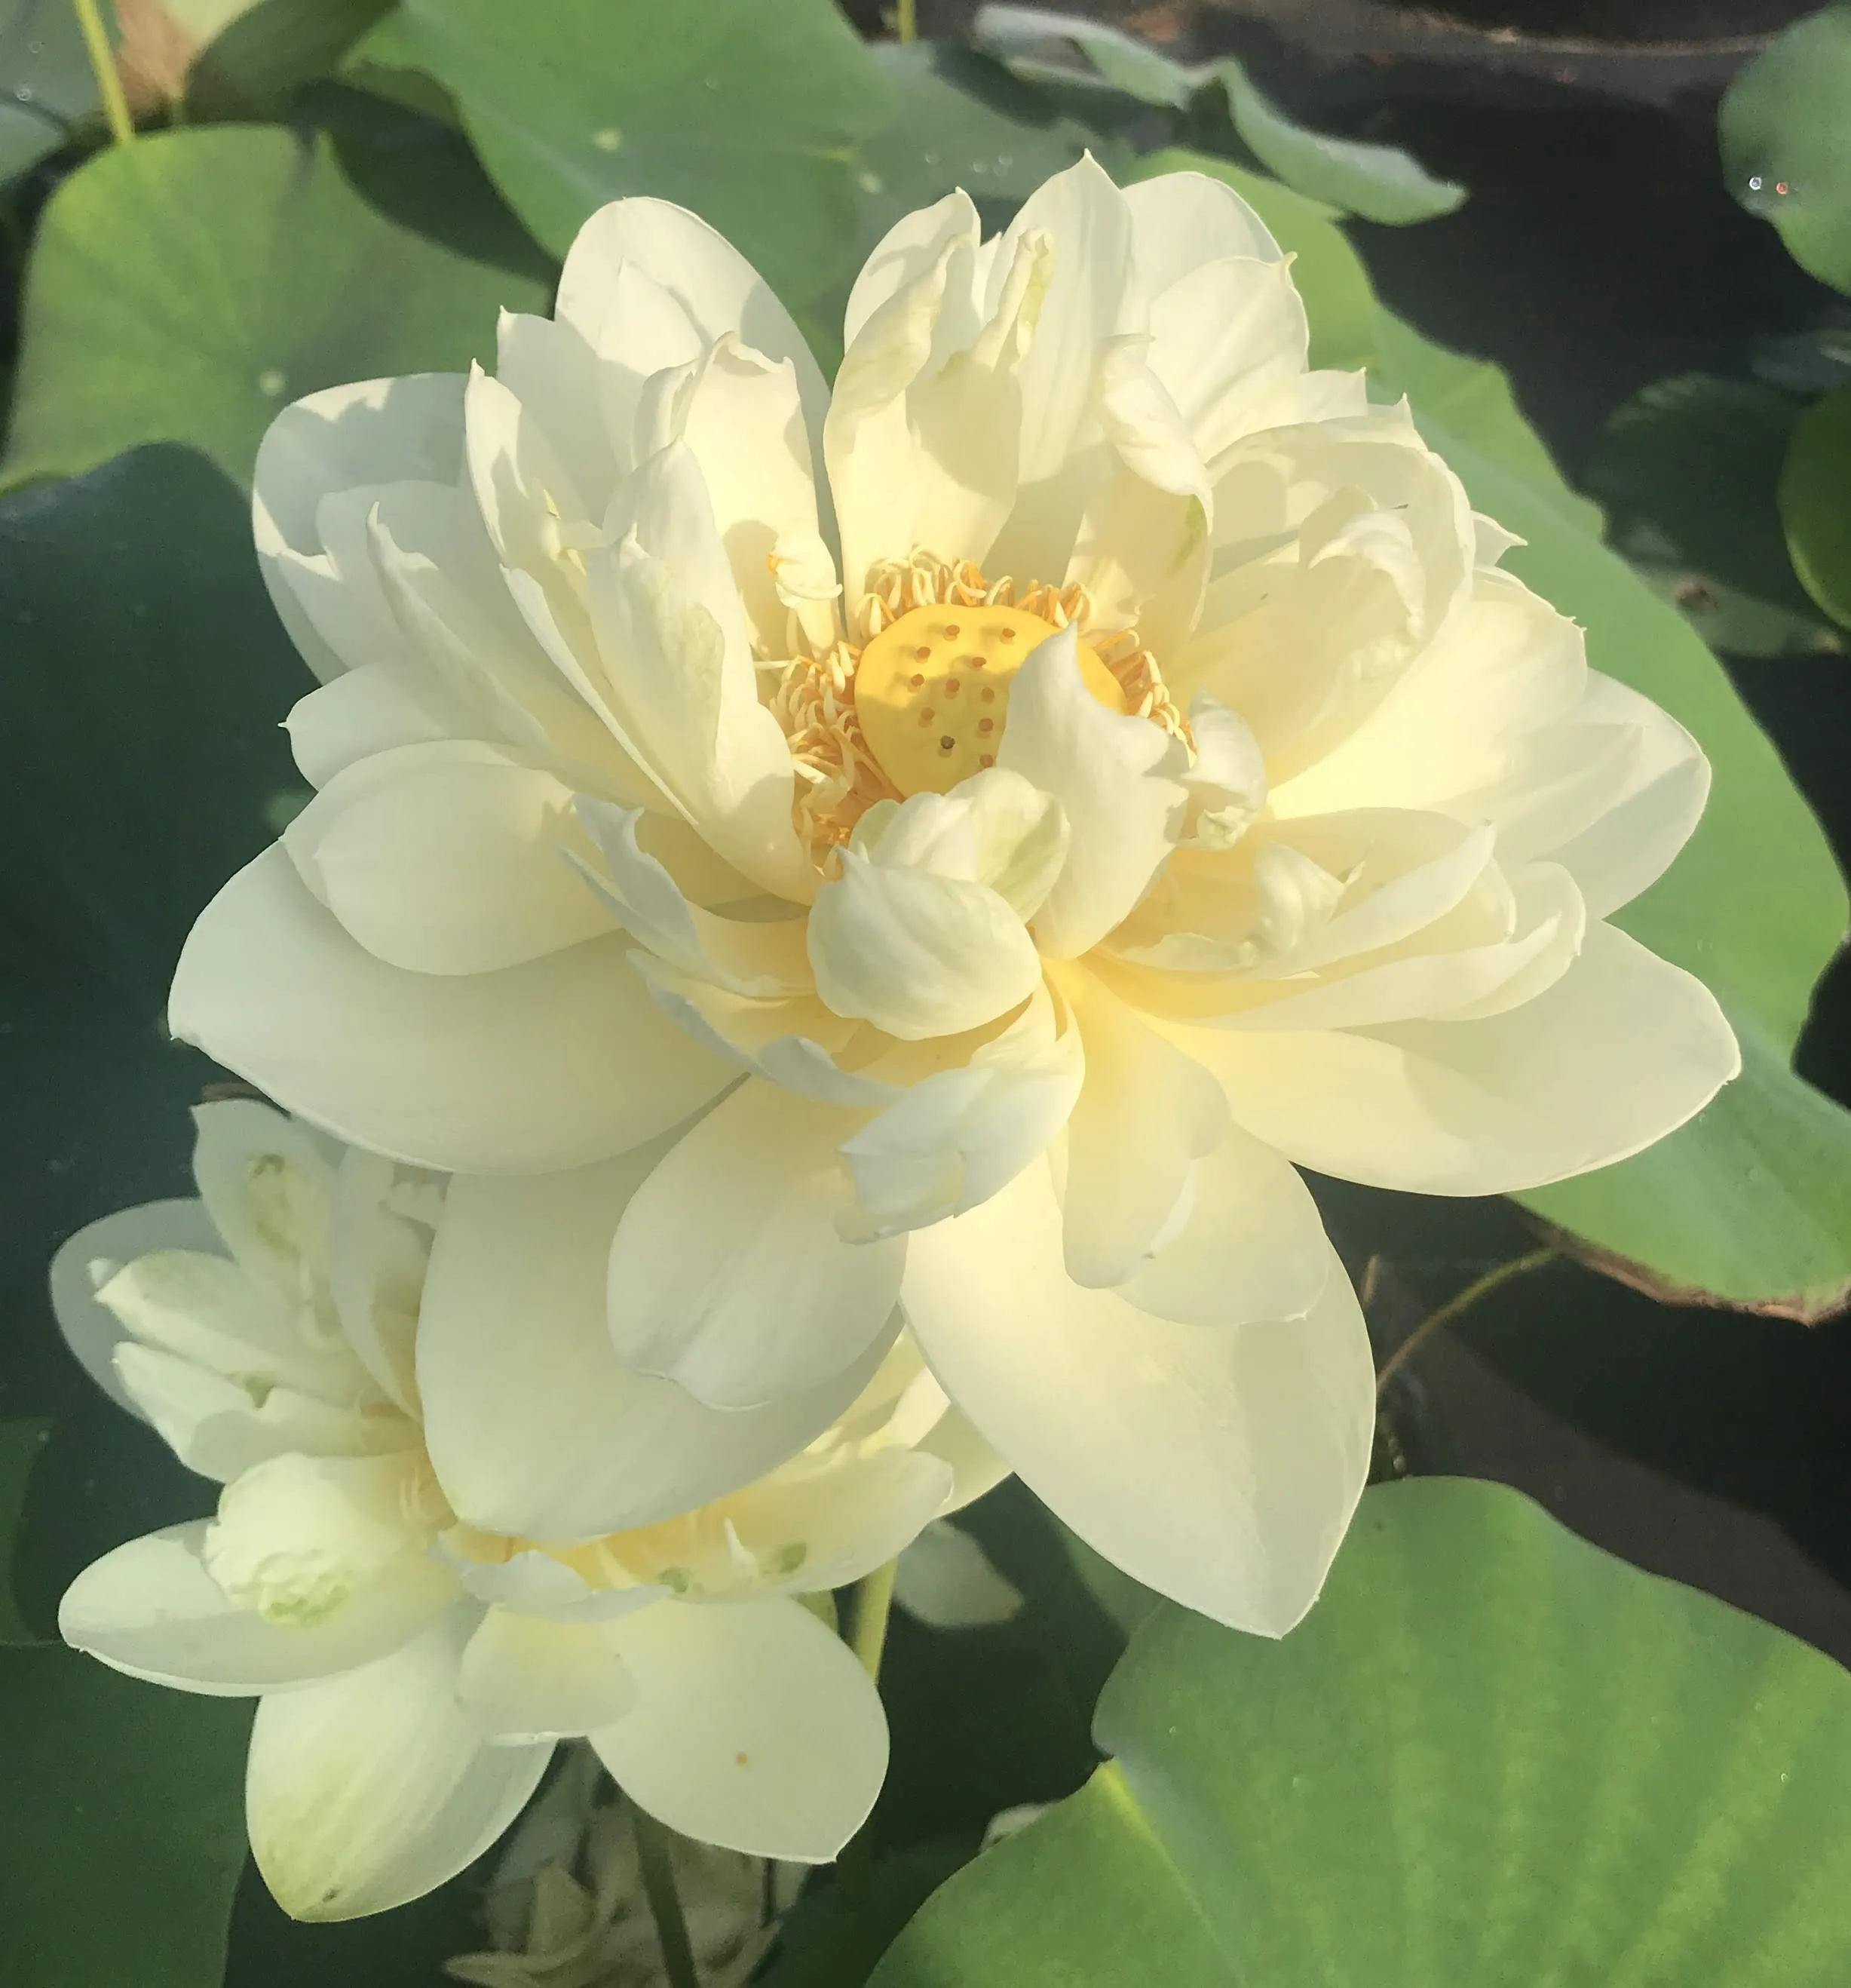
x,y
946,1580
1225,338
87,1261
524,1678
541,1430
548,1064
953,1138
1264,1431
708,279
834,1522
727,1272
370,709
151,1609
448,859
1145,1116
1119,780
1180,221
343,438
1623,1048
371,1789
917,954
755,1728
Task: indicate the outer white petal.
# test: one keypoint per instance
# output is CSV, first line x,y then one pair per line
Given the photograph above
x,y
151,1609
547,1064
727,1272
524,1679
1632,844
371,1789
908,250
448,859
1220,1468
1225,338
1119,780
1623,1048
947,1580
716,287
85,1262
373,432
541,1431
1145,1116
848,1514
917,954
368,710
1180,221
754,1729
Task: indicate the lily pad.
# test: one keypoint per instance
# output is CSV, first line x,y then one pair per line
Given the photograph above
x,y
748,114
187,287
122,1835
1689,469
1378,183
1815,502
1492,1754
1786,141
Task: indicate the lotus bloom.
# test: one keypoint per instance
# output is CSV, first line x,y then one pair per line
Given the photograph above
x,y
992,820
413,1671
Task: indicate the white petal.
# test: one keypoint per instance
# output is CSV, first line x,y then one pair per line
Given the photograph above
x,y
682,684
150,1609
1119,779
85,1262
448,859
908,250
1180,221
739,415
835,1521
716,287
374,431
524,1678
1622,1049
755,957
1220,1468
1224,337
727,1273
754,1729
379,1250
371,1789
543,1431
1145,1116
266,1182
946,1580
953,1138
368,710
547,1064
916,954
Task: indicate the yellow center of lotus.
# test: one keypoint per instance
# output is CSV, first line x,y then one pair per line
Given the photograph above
x,y
932,690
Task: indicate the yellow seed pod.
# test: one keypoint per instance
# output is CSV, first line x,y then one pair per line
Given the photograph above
x,y
932,690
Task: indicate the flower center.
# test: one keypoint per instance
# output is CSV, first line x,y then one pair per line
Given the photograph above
x,y
932,690
913,694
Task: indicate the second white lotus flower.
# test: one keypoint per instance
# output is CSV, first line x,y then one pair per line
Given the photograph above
x,y
1123,776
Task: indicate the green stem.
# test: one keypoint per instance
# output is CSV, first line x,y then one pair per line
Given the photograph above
x,y
664,1896
906,20
873,1603
109,83
1455,1308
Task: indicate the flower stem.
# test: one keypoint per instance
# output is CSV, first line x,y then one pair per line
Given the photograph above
x,y
906,20
664,1896
109,83
873,1603
1456,1307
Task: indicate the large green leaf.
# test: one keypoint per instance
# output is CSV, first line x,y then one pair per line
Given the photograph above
x,y
1492,1757
1755,904
1688,470
121,1831
185,288
1786,141
1815,502
749,113
1378,183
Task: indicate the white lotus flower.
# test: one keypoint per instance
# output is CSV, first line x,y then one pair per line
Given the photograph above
x,y
1123,776
415,1670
